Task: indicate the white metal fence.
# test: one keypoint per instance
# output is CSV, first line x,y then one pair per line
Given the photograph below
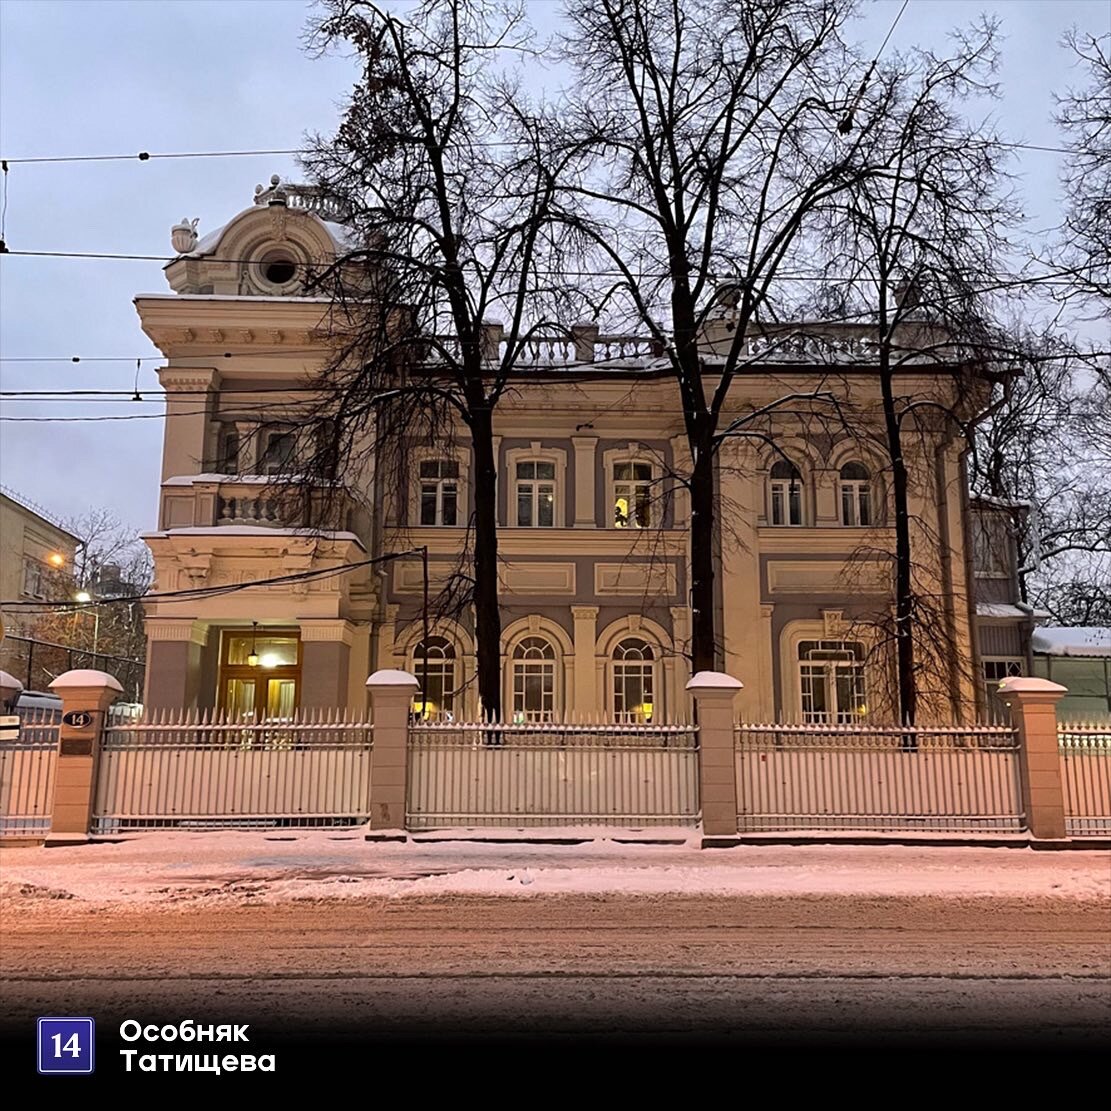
x,y
799,777
27,774
205,771
1086,774
547,774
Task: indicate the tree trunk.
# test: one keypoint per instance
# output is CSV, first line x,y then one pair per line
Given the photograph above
x,y
703,495
486,609
904,587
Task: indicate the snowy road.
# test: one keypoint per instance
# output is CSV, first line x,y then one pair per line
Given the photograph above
x,y
775,942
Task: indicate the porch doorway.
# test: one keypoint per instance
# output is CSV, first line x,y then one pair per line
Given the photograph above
x,y
260,674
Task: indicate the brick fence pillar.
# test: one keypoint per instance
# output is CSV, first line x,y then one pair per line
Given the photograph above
x,y
714,694
1033,707
391,699
86,696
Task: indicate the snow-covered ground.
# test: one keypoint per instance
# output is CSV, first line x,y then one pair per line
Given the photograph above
x,y
171,869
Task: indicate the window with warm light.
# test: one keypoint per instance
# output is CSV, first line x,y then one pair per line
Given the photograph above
x,y
260,673
634,681
534,680
831,681
439,492
784,494
434,666
535,493
632,495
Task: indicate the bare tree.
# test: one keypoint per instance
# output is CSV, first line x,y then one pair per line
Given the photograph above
x,y
105,629
1084,115
706,132
438,166
1046,449
911,241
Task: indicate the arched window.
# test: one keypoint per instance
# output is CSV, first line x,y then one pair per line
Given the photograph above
x,y
434,667
534,679
634,681
856,495
831,680
784,494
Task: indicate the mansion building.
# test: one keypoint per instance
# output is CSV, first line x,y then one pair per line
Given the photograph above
x,y
593,536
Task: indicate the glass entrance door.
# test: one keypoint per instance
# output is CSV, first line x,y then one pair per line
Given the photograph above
x,y
260,674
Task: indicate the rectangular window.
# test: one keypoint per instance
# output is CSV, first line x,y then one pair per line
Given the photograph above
x,y
536,494
831,682
786,503
260,673
856,504
632,495
439,492
34,578
277,452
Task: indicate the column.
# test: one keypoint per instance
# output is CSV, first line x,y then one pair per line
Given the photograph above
x,y
325,662
585,479
714,694
681,639
174,648
86,696
586,636
188,392
681,465
391,697
1033,706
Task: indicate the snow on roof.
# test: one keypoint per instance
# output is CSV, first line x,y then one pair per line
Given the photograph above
x,y
251,530
997,609
1079,640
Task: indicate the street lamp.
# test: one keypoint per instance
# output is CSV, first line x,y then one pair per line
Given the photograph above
x,y
84,597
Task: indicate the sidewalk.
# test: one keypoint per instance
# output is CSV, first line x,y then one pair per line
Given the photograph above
x,y
168,869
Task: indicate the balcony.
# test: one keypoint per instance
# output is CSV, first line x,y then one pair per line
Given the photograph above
x,y
223,501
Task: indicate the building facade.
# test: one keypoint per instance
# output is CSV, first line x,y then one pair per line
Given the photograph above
x,y
593,534
36,554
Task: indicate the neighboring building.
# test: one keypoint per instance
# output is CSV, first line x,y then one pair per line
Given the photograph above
x,y
593,533
37,553
1079,658
1004,623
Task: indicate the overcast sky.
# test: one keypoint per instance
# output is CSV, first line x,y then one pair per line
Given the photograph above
x,y
93,77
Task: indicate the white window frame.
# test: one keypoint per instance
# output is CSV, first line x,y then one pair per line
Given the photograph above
x,y
265,434
827,672
445,666
779,491
635,485
853,493
537,453
459,455
522,667
437,484
648,669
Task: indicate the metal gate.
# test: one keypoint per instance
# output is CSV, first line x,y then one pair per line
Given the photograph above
x,y
196,771
864,777
27,774
544,774
1086,777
